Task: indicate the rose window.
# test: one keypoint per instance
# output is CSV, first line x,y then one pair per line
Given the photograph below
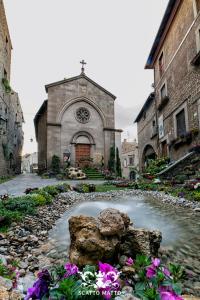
x,y
82,115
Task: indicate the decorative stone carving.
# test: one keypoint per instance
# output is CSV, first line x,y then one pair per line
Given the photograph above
x,y
82,115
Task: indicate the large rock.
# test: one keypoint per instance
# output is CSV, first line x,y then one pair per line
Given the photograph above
x,y
108,237
139,240
88,246
113,222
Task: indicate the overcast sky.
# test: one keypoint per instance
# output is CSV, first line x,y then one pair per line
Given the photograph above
x,y
50,37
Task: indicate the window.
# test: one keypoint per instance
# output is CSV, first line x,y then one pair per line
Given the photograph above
x,y
164,149
131,160
125,163
161,64
5,73
154,128
198,5
180,123
163,91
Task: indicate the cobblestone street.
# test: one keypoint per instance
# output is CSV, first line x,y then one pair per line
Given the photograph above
x,y
20,183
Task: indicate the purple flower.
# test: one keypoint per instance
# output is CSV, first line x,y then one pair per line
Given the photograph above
x,y
129,262
156,262
105,268
108,280
167,294
151,272
71,269
166,272
40,287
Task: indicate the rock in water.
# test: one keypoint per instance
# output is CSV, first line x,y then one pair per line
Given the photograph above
x,y
141,241
108,237
113,222
88,246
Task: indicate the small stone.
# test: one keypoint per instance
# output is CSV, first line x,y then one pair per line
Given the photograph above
x,y
22,273
6,283
23,265
127,289
3,259
16,295
4,295
122,260
128,270
197,209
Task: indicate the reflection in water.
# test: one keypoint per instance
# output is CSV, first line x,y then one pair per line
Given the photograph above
x,y
180,227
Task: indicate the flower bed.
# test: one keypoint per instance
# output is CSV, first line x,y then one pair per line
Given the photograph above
x,y
143,278
14,209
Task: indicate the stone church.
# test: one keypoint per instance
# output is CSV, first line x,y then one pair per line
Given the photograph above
x,y
76,123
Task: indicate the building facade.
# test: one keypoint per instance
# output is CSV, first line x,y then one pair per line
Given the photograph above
x,y
30,163
76,123
129,159
169,121
11,116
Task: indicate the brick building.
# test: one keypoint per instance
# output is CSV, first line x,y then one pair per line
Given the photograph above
x,y
11,116
77,122
169,121
129,159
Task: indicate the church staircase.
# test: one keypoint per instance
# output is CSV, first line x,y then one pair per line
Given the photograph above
x,y
93,174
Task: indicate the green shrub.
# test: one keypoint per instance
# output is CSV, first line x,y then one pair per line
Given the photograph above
x,y
62,188
39,199
24,204
196,196
60,176
55,164
47,196
156,166
7,216
181,178
52,190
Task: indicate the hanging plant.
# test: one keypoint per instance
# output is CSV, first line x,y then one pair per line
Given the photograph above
x,y
6,85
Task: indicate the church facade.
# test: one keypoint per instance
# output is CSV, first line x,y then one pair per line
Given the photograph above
x,y
76,123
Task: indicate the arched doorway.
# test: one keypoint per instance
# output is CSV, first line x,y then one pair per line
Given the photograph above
x,y
83,149
132,175
148,154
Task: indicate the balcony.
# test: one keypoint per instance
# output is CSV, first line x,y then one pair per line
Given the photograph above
x,y
163,103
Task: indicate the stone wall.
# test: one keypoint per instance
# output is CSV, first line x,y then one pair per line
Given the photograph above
x,y
146,133
11,134
42,141
63,101
182,81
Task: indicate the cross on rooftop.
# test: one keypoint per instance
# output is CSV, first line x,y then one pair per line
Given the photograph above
x,y
83,63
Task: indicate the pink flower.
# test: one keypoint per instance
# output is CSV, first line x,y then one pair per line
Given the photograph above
x,y
151,272
167,294
156,262
105,268
129,262
71,269
166,272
